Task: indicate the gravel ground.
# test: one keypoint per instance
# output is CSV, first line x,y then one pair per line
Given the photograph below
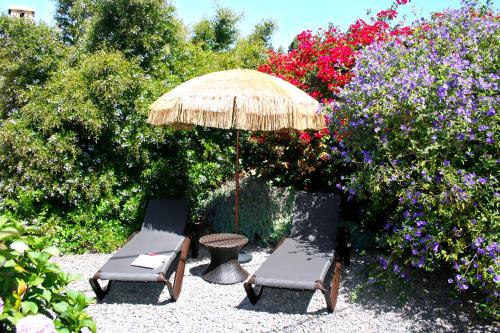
x,y
202,306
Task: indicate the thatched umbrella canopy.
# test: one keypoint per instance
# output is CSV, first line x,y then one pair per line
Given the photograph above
x,y
239,99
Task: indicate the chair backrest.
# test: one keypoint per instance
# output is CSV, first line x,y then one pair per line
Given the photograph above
x,y
166,215
315,219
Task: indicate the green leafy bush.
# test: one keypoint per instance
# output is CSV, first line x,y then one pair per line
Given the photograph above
x,y
265,212
32,285
78,159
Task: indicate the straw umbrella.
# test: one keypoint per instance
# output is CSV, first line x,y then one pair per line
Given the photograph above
x,y
240,99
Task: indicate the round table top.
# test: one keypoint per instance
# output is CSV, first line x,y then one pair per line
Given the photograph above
x,y
223,240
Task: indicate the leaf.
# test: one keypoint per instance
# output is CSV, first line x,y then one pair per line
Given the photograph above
x,y
35,281
21,287
89,323
52,250
8,232
29,308
60,307
47,295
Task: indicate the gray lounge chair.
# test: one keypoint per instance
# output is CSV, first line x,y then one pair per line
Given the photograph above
x,y
303,260
162,233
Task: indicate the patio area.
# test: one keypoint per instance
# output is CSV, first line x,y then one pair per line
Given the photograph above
x,y
202,306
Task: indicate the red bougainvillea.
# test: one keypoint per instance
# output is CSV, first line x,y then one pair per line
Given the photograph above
x,y
320,64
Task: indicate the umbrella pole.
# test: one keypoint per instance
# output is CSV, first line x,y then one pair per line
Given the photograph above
x,y
237,179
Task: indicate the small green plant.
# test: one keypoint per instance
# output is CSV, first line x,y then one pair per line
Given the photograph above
x,y
265,212
33,289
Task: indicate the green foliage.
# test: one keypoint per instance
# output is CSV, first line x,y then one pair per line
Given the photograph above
x,y
29,53
72,18
265,212
145,29
78,159
263,31
31,284
62,151
218,33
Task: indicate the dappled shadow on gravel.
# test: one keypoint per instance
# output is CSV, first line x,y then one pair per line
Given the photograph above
x,y
426,300
136,293
281,301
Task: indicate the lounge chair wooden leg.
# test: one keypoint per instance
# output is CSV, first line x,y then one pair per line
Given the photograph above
x,y
331,293
179,273
334,290
98,290
175,289
253,293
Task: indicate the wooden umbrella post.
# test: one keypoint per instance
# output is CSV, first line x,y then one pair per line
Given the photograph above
x,y
237,179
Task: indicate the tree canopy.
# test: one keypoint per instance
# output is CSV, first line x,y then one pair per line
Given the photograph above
x,y
77,156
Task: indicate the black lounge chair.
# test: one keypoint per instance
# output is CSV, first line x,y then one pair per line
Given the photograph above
x,y
162,233
303,260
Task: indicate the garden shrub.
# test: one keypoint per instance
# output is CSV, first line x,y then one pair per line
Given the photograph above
x,y
78,159
419,123
29,53
265,212
320,64
33,290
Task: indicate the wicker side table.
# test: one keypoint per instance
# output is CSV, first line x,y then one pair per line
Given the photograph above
x,y
224,266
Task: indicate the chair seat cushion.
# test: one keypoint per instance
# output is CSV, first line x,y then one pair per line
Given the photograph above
x,y
118,266
295,264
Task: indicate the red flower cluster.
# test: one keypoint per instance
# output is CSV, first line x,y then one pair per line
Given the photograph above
x,y
305,138
321,63
387,14
402,2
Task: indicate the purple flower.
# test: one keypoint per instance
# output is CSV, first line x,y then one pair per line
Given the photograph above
x,y
489,138
442,91
407,238
446,163
496,278
383,262
367,156
491,112
1,305
482,180
435,247
450,280
421,223
483,128
35,324
460,136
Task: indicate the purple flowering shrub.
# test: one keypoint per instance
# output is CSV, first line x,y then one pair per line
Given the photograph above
x,y
422,135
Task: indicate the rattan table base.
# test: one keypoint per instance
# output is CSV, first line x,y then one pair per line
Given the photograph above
x,y
224,266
